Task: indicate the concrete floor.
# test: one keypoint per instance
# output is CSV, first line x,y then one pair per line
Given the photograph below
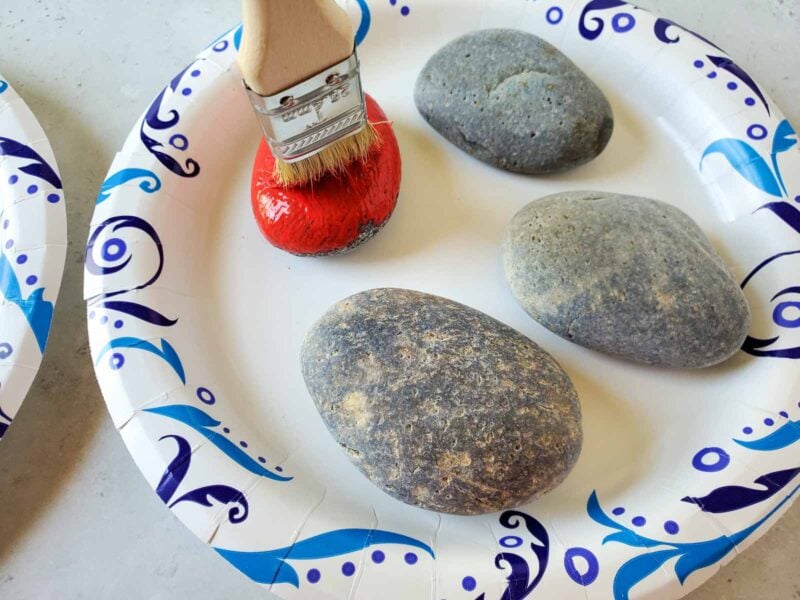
x,y
86,68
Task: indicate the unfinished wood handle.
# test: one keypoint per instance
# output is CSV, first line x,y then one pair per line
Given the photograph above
x,y
285,42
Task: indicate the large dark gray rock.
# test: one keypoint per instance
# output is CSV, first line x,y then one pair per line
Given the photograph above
x,y
440,405
625,275
514,101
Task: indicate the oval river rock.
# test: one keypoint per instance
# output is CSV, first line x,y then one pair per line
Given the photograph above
x,y
627,276
440,405
514,101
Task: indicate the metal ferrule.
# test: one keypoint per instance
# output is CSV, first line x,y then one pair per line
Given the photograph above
x,y
310,116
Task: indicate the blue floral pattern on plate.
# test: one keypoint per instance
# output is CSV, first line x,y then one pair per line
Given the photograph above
x,y
523,558
32,247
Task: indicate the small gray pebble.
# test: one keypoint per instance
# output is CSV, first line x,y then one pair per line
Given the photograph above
x,y
440,405
627,276
514,101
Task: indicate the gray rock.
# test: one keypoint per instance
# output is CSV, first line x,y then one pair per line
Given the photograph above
x,y
440,405
627,276
514,101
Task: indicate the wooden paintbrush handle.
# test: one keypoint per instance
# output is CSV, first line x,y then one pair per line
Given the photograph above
x,y
285,42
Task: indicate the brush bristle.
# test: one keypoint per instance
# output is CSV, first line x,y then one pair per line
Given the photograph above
x,y
333,159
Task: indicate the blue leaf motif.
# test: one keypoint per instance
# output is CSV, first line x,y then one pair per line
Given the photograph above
x,y
624,535
785,139
194,417
38,168
639,568
203,423
3,86
754,347
272,566
599,24
176,470
747,162
782,438
150,185
725,63
175,474
785,212
734,497
166,352
237,37
691,556
38,311
139,311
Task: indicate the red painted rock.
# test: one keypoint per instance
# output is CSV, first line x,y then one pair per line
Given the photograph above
x,y
337,213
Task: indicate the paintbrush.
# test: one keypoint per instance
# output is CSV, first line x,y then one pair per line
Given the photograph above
x,y
301,72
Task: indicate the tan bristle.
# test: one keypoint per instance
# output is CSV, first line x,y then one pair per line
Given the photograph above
x,y
333,159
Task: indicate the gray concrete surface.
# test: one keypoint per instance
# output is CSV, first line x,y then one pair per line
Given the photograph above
x,y
77,520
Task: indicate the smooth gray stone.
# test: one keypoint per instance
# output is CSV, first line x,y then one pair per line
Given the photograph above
x,y
440,405
514,101
627,276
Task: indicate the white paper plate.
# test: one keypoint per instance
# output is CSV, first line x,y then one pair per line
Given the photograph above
x,y
33,245
196,325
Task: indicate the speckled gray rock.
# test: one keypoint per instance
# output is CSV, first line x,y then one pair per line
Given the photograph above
x,y
440,405
514,101
625,275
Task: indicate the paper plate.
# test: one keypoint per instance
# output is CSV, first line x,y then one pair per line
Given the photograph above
x,y
33,245
196,325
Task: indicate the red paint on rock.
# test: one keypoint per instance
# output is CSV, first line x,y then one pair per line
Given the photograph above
x,y
337,213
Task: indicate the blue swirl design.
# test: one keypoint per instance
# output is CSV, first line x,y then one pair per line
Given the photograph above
x,y
785,436
734,497
273,566
150,185
366,22
761,348
204,424
594,32
175,474
3,88
747,161
38,311
38,168
221,493
154,120
661,30
521,583
117,225
167,353
691,556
